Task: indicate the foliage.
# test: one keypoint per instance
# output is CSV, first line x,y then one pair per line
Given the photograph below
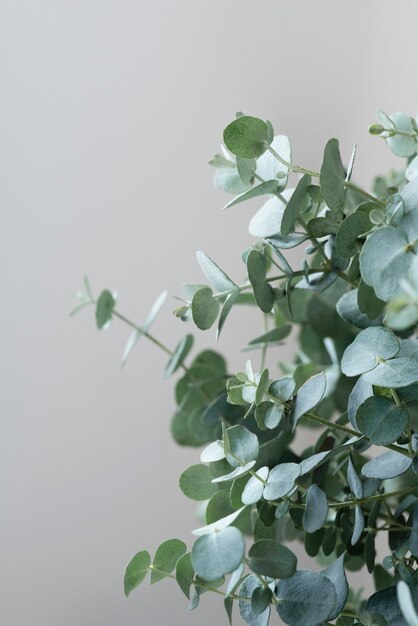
x,y
353,383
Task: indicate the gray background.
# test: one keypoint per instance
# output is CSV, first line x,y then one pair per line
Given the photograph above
x,y
109,113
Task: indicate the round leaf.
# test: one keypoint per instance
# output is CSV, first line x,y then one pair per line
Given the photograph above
x,y
196,482
316,511
387,465
136,571
250,584
104,308
166,557
381,420
367,348
243,446
384,272
218,554
350,229
270,558
253,490
306,599
281,480
246,137
205,308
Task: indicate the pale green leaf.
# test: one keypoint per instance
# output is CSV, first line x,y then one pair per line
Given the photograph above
x,y
217,554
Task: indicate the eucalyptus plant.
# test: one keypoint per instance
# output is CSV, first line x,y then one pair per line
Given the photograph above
x,y
353,384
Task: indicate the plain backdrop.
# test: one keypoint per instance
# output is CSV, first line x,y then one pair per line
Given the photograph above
x,y
109,112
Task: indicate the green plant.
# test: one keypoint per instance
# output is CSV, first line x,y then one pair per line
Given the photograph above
x,y
354,383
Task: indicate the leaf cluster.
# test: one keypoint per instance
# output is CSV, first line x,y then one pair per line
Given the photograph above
x,y
353,306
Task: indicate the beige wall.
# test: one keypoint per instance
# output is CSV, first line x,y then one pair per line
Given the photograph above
x,y
110,110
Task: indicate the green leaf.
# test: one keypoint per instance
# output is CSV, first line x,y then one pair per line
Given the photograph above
x,y
180,354
104,308
262,386
323,226
136,571
253,490
399,144
297,204
226,309
218,554
219,506
268,187
246,169
349,231
250,584
387,465
332,177
205,308
384,272
219,524
316,509
217,277
261,599
185,573
381,420
281,480
306,599
236,473
243,446
283,388
370,346
348,309
336,574
406,604
213,452
368,302
166,557
257,269
360,392
229,605
270,558
196,482
358,525
398,372
354,480
272,337
308,396
385,602
246,137
269,415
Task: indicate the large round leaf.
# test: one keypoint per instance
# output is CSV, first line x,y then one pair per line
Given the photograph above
x,y
218,554
381,420
306,599
270,558
246,137
385,259
364,353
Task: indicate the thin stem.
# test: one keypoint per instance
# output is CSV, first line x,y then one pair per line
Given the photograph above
x,y
291,166
303,170
380,496
200,584
315,242
349,431
362,192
